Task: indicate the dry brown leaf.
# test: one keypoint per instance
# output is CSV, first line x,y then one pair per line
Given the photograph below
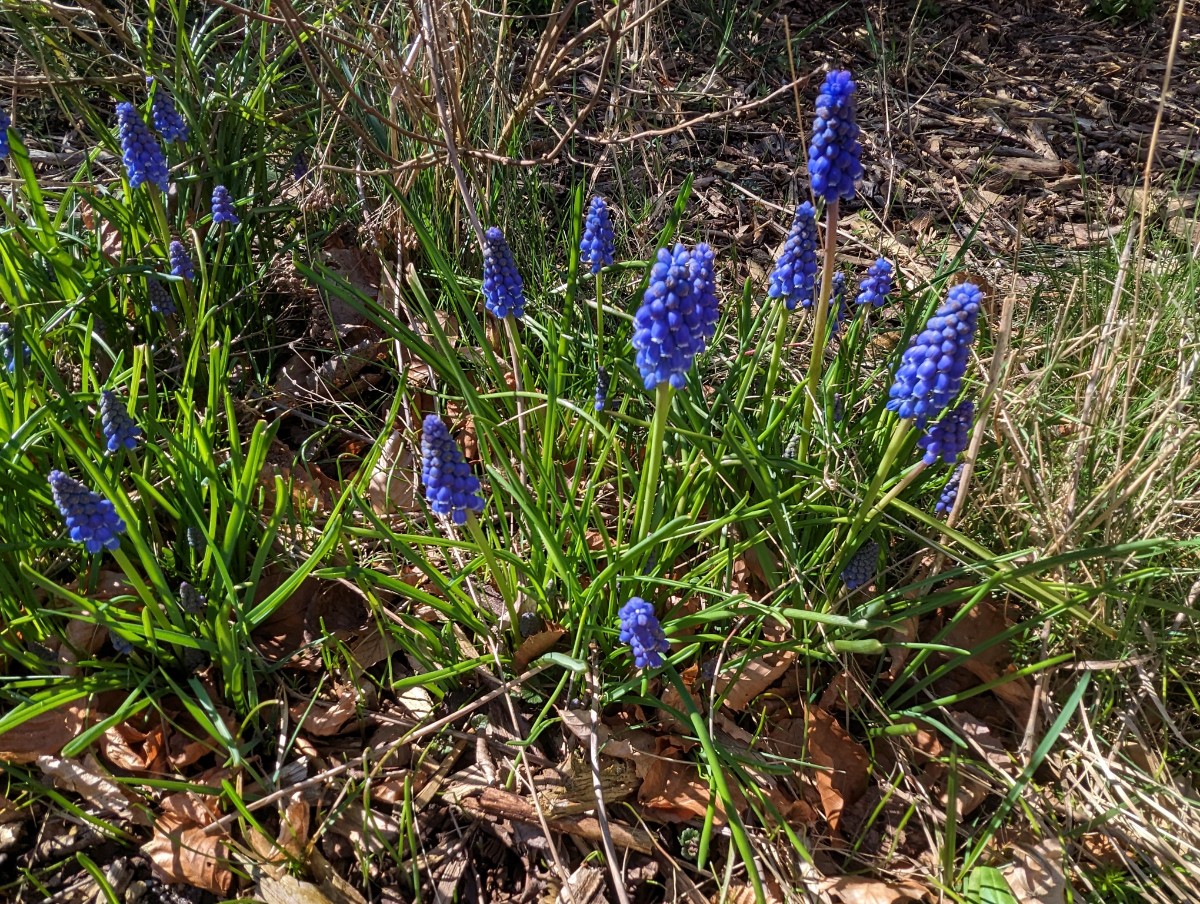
x,y
983,622
336,888
843,693
366,829
860,890
973,791
285,889
752,678
127,748
110,236
537,645
819,739
324,720
1035,874
393,483
673,791
318,607
87,778
46,733
180,851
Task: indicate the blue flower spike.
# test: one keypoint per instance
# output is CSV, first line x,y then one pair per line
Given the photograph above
x,y
932,368
167,121
181,261
862,566
503,291
945,503
877,285
222,207
795,274
596,246
91,519
190,599
120,430
161,301
640,629
603,383
450,487
8,351
5,125
140,150
837,302
946,438
834,155
677,317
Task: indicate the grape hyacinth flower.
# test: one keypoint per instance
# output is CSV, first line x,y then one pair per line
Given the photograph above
x,y
140,151
181,261
5,124
120,430
222,207
834,154
678,315
837,302
90,517
862,565
299,164
641,630
948,437
450,487
946,501
795,274
119,643
875,288
932,368
8,351
195,538
167,121
190,599
603,382
596,247
161,301
503,291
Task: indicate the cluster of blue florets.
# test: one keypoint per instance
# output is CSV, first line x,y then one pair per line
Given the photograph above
x,y
862,566
596,246
120,430
946,438
503,291
450,487
161,301
641,630
222,207
834,163
795,273
946,500
932,368
8,350
877,285
678,315
181,261
603,382
91,519
837,302
5,123
167,121
140,150
190,599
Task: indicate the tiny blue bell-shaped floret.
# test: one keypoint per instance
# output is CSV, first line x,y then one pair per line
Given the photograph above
x,y
167,121
181,261
222,207
503,290
140,150
795,273
946,500
874,289
946,438
120,430
5,125
678,315
862,566
161,301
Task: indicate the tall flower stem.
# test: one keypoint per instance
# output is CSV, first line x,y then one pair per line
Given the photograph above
x,y
647,491
489,556
514,352
781,326
866,507
820,333
600,318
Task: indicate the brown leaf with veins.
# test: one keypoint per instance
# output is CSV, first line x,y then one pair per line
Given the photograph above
x,y
181,852
843,763
46,733
537,645
751,678
979,625
324,720
673,791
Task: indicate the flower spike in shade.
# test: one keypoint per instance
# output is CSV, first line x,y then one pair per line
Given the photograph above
x,y
140,151
945,503
837,302
641,630
596,247
503,291
90,517
795,273
181,261
678,315
190,599
8,352
120,430
932,368
875,288
603,382
862,565
222,206
450,487
947,437
5,124
167,121
160,298
834,154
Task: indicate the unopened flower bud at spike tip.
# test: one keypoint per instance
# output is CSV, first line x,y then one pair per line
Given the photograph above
x,y
946,438
603,382
503,290
140,150
678,315
91,519
450,487
862,566
596,246
167,121
640,629
181,261
120,430
222,206
794,277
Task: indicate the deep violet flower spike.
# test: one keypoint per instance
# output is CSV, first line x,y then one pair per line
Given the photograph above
x,y
862,566
91,519
678,315
167,121
5,124
120,430
948,436
161,301
222,206
190,599
450,487
119,643
503,291
603,382
181,261
877,285
834,156
8,351
641,630
932,368
795,273
945,503
140,150
596,246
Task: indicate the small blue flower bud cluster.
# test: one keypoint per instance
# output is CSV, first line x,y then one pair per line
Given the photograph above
x,y
678,315
641,630
167,121
181,261
503,291
932,368
947,437
8,352
161,301
596,247
862,565
945,503
299,163
5,124
837,302
795,273
190,599
91,519
603,382
450,487
119,643
834,155
195,538
140,151
222,207
120,430
875,288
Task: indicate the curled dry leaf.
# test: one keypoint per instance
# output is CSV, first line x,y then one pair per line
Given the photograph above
x,y
315,608
982,623
747,680
860,890
972,790
537,645
87,778
133,750
46,733
673,791
1036,874
324,720
181,851
843,763
393,483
